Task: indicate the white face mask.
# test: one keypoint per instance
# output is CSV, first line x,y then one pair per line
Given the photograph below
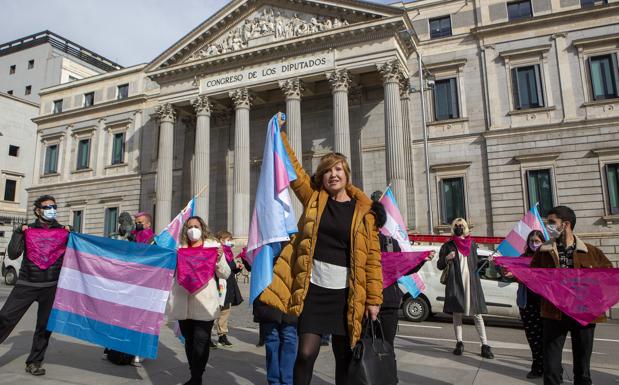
x,y
553,231
194,234
49,214
229,243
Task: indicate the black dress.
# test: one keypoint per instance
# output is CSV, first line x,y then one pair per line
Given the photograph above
x,y
325,309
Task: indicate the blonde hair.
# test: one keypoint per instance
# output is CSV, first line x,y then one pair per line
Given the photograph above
x,y
329,161
206,233
460,221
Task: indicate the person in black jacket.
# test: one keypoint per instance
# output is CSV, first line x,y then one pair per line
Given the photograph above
x,y
33,285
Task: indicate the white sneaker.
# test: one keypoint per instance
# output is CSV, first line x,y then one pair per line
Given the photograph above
x,y
137,361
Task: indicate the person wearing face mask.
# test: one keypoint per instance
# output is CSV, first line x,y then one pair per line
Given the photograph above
x,y
464,295
197,312
566,251
33,285
142,232
529,307
232,293
329,274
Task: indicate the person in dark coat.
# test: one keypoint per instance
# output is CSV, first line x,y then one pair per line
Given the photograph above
x,y
33,285
464,295
233,293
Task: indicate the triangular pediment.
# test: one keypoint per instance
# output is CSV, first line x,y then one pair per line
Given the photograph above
x,y
245,24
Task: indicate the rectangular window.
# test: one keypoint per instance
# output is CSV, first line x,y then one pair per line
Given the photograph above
x,y
539,186
612,185
591,3
13,150
30,64
446,99
28,90
527,87
83,154
89,99
604,74
10,92
12,69
78,218
118,148
51,159
452,200
123,91
111,221
519,10
440,27
57,106
10,187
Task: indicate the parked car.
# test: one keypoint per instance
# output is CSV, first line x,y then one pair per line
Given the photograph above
x,y
10,268
500,293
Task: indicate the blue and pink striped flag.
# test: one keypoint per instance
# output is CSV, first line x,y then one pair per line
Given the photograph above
x,y
273,219
113,293
396,228
170,236
515,243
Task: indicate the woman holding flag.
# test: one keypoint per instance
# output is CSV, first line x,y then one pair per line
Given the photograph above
x,y
463,291
194,299
330,273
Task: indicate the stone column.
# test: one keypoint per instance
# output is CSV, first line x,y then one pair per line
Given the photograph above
x,y
405,100
165,165
394,135
565,77
242,104
293,88
134,142
202,155
65,172
340,82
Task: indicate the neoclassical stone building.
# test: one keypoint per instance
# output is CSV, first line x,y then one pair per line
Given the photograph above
x,y
521,103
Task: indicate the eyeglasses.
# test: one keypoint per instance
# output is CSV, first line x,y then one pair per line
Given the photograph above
x,y
49,207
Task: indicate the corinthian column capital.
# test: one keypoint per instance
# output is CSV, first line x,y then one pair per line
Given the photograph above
x,y
340,80
202,105
292,88
241,98
391,71
166,112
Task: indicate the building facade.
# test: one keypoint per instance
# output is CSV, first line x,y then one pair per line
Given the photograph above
x,y
520,98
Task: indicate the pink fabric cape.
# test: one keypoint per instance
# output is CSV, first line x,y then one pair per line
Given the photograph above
x,y
228,253
45,246
398,264
583,294
195,267
464,245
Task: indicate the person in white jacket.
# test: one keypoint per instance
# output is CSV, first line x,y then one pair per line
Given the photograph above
x,y
196,312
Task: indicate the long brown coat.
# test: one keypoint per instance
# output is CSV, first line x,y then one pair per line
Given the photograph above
x,y
586,256
293,268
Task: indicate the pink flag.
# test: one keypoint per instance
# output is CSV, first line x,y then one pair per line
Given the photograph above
x,y
398,264
195,267
228,253
583,294
45,246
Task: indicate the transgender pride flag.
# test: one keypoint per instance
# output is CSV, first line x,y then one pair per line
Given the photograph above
x,y
515,243
113,293
273,220
395,228
170,236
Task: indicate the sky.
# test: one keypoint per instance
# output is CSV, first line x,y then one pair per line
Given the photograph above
x,y
128,32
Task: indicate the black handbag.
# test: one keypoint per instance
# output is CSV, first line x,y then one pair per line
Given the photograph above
x,y
373,361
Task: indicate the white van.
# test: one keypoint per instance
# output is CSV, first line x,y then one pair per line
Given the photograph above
x,y
10,268
500,294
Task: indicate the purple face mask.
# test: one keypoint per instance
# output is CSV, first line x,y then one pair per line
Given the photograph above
x,y
534,246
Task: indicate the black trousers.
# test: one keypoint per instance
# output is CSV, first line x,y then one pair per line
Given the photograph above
x,y
555,333
15,307
533,329
197,336
389,320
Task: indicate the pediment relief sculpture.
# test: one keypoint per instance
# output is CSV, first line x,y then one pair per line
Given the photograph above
x,y
267,25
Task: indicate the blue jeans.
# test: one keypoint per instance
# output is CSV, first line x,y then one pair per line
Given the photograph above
x,y
280,341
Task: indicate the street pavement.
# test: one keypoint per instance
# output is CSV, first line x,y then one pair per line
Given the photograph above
x,y
423,351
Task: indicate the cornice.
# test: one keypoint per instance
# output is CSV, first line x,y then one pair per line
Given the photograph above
x,y
49,118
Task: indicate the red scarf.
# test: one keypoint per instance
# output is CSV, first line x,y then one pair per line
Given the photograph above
x,y
463,245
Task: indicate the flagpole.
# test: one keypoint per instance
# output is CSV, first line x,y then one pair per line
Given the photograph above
x,y
385,192
202,191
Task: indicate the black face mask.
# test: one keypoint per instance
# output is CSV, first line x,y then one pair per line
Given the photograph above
x,y
139,227
458,231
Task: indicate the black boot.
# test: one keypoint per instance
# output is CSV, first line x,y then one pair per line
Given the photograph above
x,y
486,352
459,348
